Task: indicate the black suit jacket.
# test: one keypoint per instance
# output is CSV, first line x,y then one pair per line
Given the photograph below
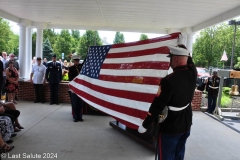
x,y
54,73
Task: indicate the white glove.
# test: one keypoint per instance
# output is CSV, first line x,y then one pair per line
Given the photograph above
x,y
141,129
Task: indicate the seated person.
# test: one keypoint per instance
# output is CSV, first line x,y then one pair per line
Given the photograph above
x,y
6,128
4,147
11,106
12,114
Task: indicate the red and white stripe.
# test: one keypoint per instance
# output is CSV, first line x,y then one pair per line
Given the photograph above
x,y
224,56
129,79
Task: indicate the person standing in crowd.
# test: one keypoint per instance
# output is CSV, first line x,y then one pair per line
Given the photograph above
x,y
16,66
37,77
212,89
77,102
65,69
45,62
1,76
4,61
34,61
175,92
60,61
15,63
54,77
11,82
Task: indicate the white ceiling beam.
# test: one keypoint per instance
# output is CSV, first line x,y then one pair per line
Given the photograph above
x,y
218,19
108,28
8,16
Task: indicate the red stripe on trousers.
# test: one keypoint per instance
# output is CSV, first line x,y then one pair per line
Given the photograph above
x,y
160,147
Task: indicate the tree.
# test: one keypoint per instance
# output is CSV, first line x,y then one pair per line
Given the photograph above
x,y
90,38
34,36
47,50
143,37
76,38
47,34
9,41
119,38
51,35
210,44
63,44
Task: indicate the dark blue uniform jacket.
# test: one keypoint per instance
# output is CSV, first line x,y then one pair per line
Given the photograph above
x,y
177,90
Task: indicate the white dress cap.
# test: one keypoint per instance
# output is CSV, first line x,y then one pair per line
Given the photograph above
x,y
76,57
177,51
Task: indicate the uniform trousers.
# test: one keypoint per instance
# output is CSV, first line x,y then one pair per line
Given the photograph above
x,y
172,147
39,92
77,105
54,92
211,103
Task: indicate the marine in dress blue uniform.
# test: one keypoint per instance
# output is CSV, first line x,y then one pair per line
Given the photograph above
x,y
54,77
77,102
212,88
176,92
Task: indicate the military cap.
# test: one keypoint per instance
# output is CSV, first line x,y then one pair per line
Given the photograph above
x,y
76,57
177,51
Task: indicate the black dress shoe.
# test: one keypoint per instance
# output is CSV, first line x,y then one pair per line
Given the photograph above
x,y
35,101
42,102
81,120
75,120
57,103
9,141
51,103
13,135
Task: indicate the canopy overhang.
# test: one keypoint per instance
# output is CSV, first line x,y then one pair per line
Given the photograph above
x,y
152,16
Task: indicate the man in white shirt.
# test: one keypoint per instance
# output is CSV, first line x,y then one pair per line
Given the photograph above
x,y
38,75
4,61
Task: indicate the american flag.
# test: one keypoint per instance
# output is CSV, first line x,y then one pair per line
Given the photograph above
x,y
122,79
224,56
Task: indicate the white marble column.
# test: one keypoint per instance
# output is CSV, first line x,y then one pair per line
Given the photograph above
x,y
189,42
28,57
39,42
22,51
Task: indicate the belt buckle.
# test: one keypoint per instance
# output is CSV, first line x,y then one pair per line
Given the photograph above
x,y
161,116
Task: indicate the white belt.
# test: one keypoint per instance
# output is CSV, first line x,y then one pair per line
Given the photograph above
x,y
177,108
213,87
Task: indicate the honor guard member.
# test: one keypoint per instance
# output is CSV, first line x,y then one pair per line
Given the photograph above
x,y
77,102
176,92
54,77
212,89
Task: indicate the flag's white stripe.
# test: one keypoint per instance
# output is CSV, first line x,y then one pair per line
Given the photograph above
x,y
154,57
142,88
144,46
131,119
135,72
143,106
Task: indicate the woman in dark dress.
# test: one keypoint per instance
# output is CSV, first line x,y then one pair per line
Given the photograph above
x,y
11,81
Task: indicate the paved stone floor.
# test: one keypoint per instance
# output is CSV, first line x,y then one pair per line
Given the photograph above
x,y
49,131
